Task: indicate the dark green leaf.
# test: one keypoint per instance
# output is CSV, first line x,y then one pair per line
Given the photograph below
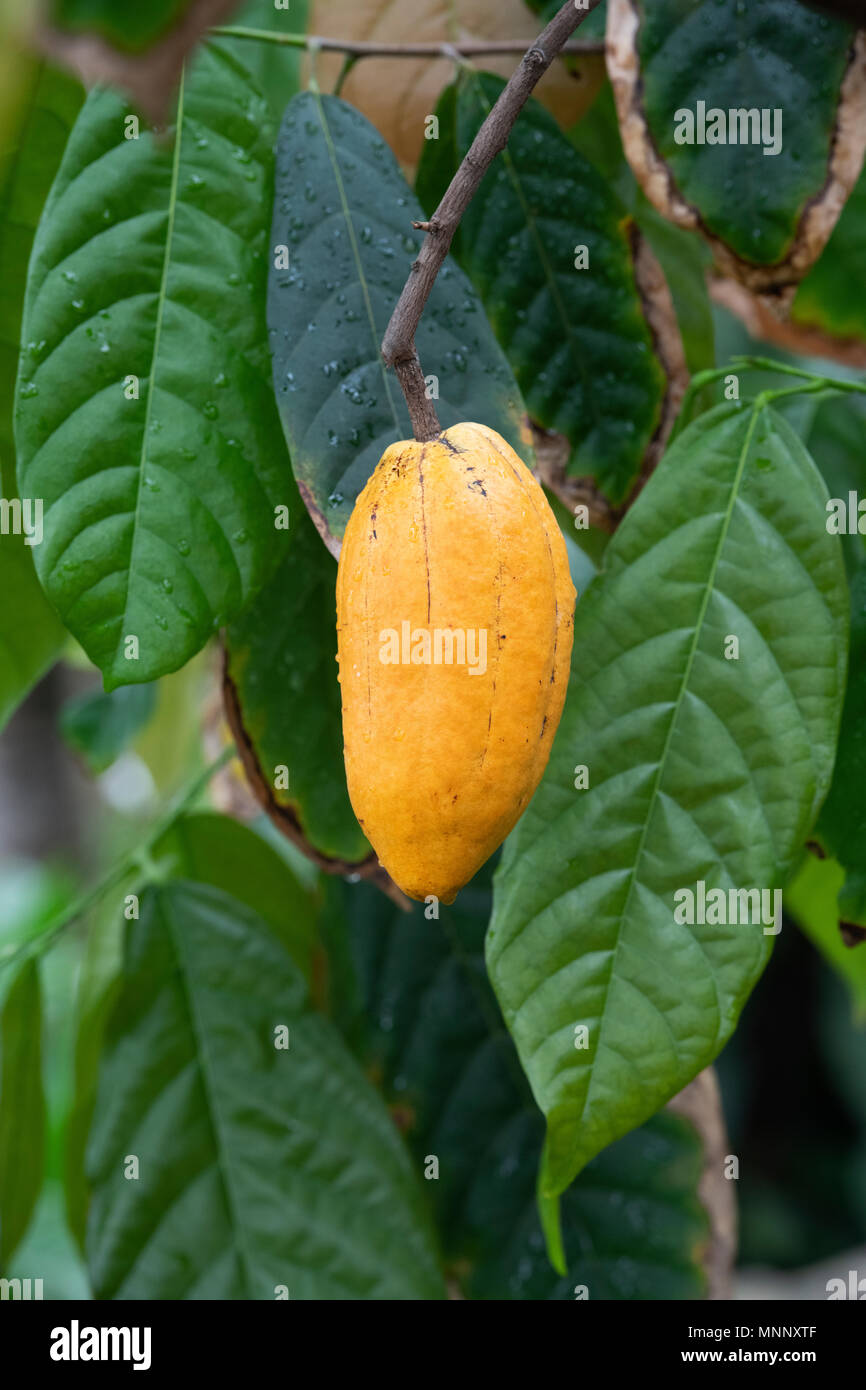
x,y
282,667
632,1225
837,439
683,258
204,848
260,1168
576,337
22,1106
345,213
776,56
149,263
127,26
842,824
701,769
218,851
99,727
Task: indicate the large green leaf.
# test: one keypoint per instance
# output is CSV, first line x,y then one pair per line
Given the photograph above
x,y
701,769
30,634
776,56
149,263
345,213
576,337
22,1105
282,682
260,1168
217,850
632,1223
207,849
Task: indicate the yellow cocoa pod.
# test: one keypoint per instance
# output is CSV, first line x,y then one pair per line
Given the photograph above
x,y
454,623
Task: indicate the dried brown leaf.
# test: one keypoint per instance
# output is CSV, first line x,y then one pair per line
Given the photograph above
x,y
397,94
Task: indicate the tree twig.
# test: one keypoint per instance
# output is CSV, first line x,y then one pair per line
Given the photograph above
x,y
472,48
398,345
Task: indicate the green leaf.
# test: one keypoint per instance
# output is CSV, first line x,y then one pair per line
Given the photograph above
x,y
30,634
28,164
701,769
218,851
632,1223
159,511
98,986
837,438
276,69
207,849
99,727
282,675
842,823
128,27
259,1168
832,297
22,1107
683,258
345,213
779,55
576,338
812,900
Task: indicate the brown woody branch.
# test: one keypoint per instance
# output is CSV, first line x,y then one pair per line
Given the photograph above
x,y
398,345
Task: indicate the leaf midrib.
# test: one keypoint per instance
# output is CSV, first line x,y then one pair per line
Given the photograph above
x,y
356,254
163,295
221,1147
634,875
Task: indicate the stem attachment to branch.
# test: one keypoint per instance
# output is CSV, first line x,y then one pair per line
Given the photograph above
x,y
398,345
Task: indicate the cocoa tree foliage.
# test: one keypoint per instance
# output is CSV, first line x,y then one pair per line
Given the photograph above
x,y
686,780
417,1005
200,350
171,533
546,242
345,214
690,51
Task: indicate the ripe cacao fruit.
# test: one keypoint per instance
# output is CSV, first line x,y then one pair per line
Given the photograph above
x,y
454,623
